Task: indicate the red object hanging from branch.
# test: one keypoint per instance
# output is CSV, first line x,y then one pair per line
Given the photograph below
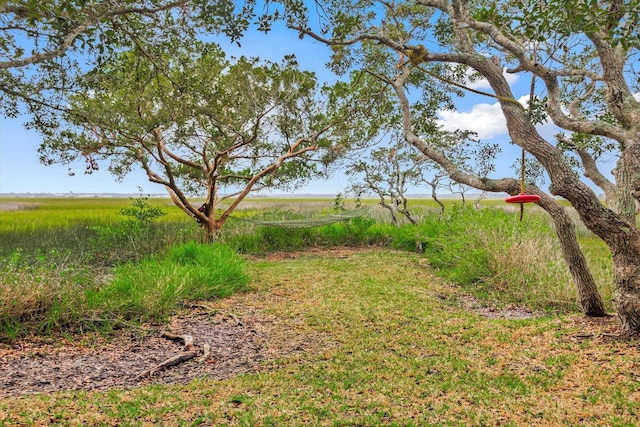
x,y
523,198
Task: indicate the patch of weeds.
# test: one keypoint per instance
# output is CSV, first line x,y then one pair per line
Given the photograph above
x,y
239,399
40,294
134,236
558,365
512,384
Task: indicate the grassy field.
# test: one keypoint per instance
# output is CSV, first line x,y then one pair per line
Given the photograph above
x,y
388,339
398,349
488,251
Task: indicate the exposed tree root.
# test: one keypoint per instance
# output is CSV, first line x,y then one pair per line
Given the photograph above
x,y
190,351
189,343
214,311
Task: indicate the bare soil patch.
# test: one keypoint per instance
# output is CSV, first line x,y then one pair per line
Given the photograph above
x,y
511,311
239,342
596,329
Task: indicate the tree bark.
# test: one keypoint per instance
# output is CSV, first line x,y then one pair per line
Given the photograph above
x,y
589,298
434,196
626,279
394,217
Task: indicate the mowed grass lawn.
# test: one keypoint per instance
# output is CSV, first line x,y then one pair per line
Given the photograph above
x,y
389,344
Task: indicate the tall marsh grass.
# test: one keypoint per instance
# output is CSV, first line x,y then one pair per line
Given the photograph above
x,y
106,268
88,228
504,260
56,275
41,295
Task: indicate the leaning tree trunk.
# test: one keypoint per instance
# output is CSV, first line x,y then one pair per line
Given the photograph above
x,y
392,212
623,239
619,233
626,249
434,196
408,215
588,296
617,229
404,211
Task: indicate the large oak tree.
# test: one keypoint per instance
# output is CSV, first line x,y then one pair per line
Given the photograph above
x,y
200,124
581,53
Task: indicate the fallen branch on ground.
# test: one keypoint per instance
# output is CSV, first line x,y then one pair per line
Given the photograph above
x,y
189,343
190,351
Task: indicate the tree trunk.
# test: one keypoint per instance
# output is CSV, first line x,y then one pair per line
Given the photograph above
x,y
434,196
623,239
626,280
394,218
404,211
626,248
618,230
407,215
212,229
589,298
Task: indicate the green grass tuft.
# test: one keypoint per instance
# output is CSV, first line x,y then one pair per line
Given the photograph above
x,y
43,298
152,289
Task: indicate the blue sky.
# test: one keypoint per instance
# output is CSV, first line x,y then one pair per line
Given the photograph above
x,y
21,172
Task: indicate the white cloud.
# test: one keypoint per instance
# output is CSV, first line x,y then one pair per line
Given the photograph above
x,y
486,120
637,96
484,83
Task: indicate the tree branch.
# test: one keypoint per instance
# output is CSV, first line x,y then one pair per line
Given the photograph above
x,y
67,39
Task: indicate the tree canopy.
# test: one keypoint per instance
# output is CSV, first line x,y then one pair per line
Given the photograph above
x,y
581,57
201,124
46,45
